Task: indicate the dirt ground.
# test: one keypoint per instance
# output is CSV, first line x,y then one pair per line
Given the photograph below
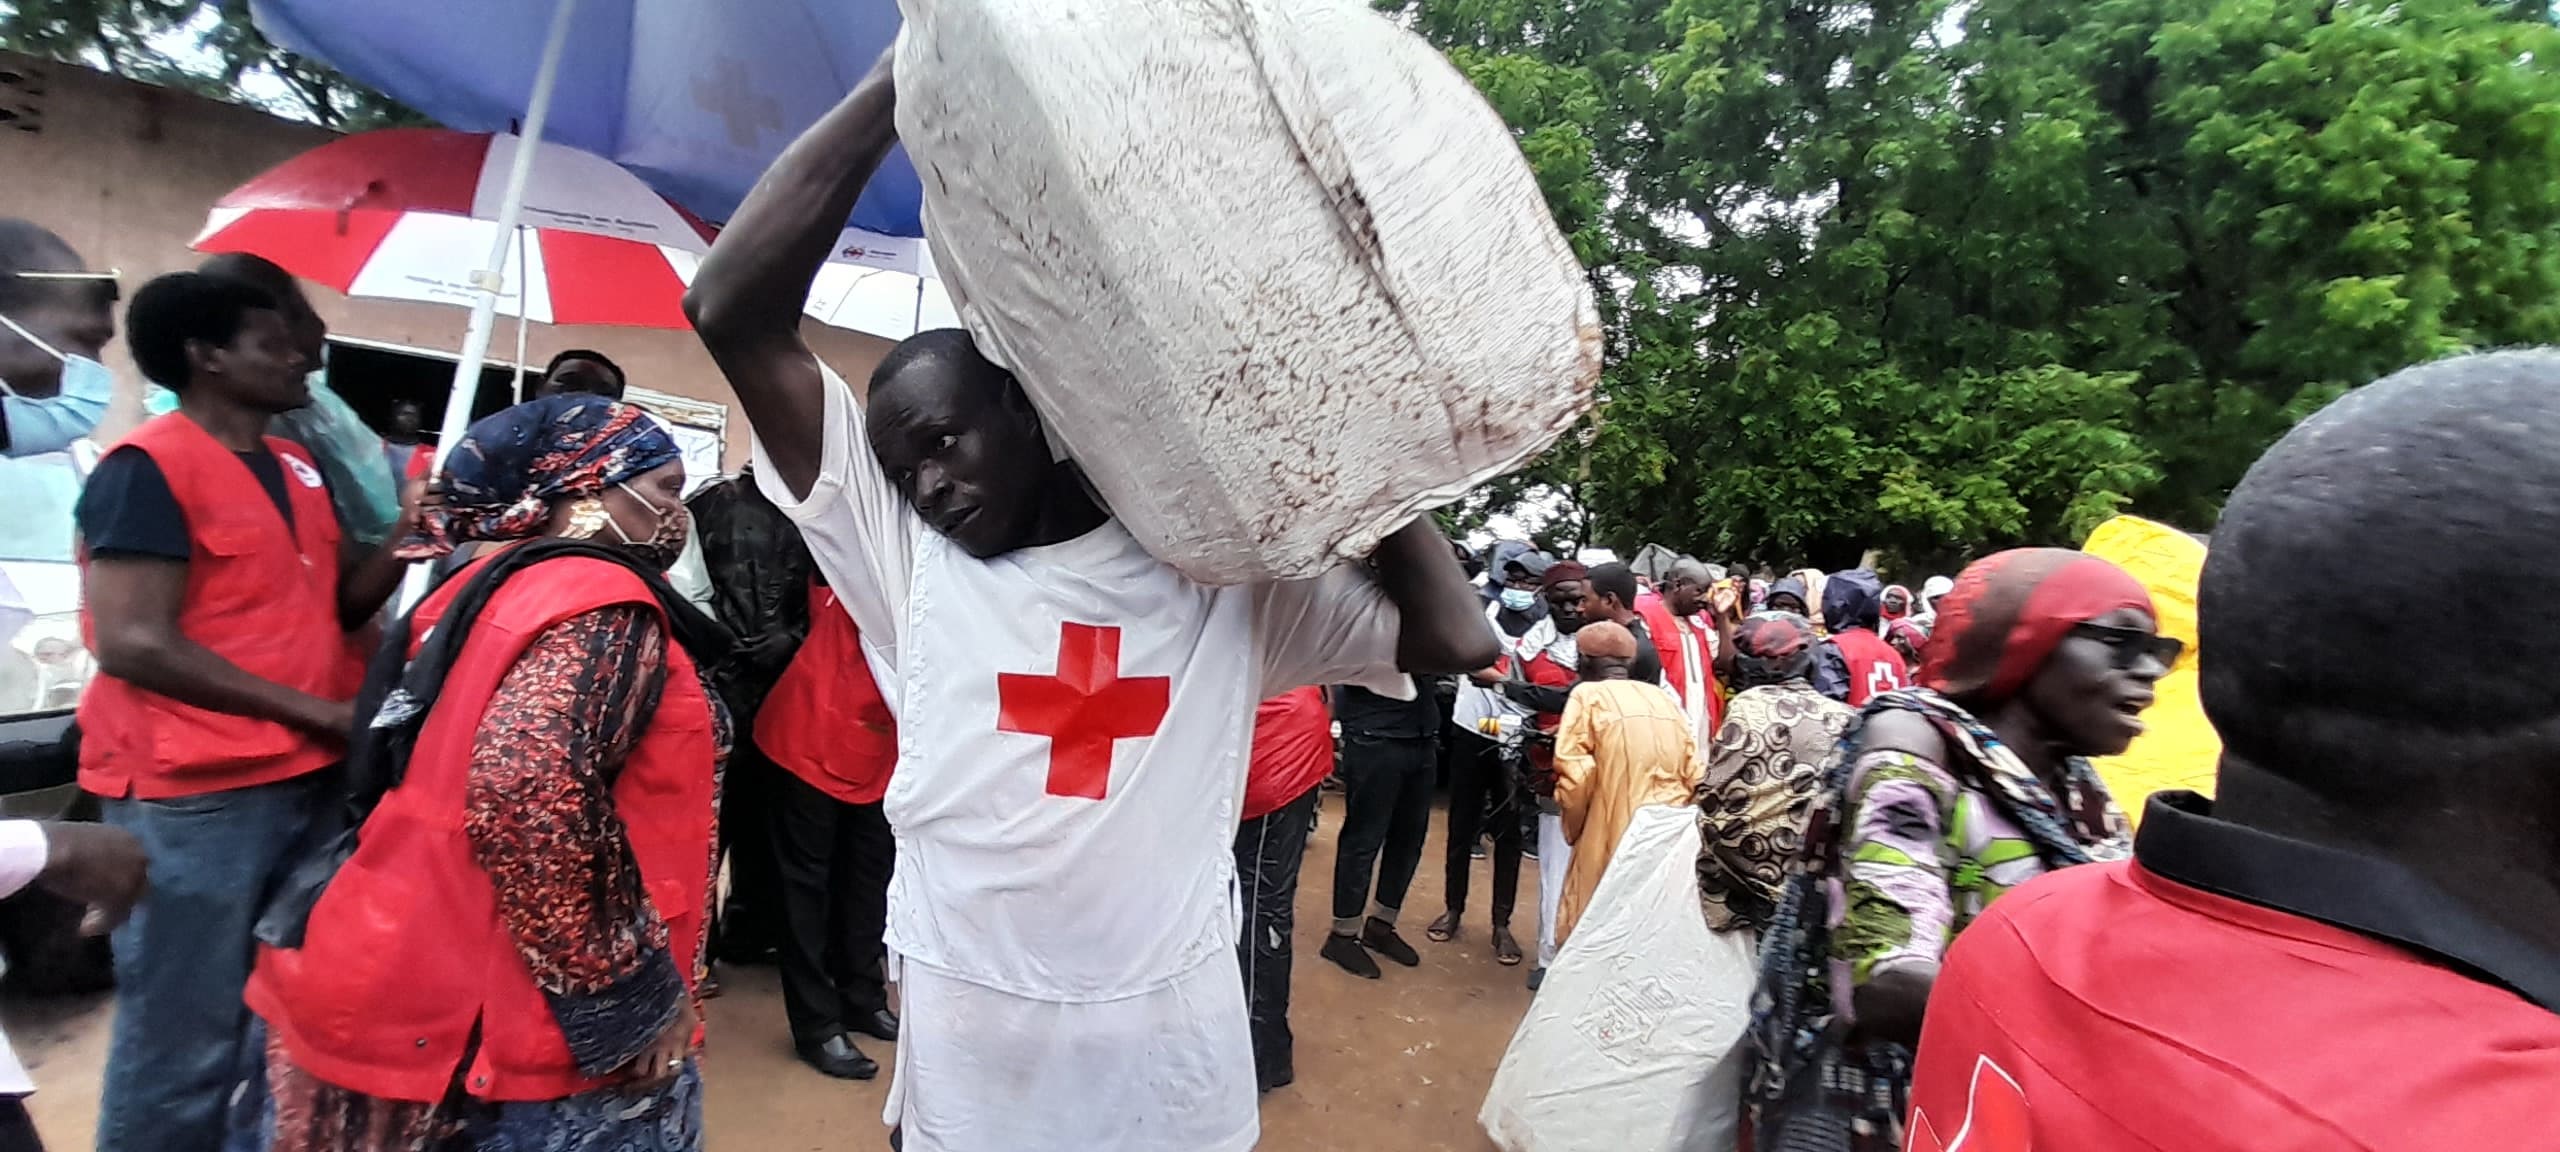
x,y
1398,1063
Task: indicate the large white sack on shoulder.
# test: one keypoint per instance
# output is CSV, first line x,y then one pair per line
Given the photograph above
x,y
1634,1043
1272,271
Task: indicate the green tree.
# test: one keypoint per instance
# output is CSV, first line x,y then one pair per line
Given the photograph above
x,y
1938,279
209,47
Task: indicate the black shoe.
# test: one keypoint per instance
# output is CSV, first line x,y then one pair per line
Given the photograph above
x,y
1537,976
840,1059
1283,1076
1346,951
1382,939
880,1025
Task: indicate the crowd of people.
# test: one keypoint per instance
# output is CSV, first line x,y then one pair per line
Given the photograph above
x,y
453,877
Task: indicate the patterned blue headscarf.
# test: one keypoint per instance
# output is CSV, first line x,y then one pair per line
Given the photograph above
x,y
499,483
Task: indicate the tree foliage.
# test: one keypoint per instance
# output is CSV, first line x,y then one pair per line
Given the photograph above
x,y
209,47
1937,278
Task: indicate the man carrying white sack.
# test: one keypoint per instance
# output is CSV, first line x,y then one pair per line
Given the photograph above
x,y
1073,714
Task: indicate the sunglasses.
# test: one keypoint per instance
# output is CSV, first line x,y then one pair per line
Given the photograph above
x,y
2130,645
105,283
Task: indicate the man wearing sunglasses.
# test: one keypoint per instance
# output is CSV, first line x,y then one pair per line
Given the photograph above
x,y
2357,944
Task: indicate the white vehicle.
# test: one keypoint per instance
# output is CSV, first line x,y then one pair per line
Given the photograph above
x,y
44,666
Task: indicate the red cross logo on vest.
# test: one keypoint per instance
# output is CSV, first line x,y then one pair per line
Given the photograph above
x,y
1084,709
1995,1117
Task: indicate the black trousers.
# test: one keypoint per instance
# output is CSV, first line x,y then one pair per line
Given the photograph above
x,y
1485,795
834,859
1386,816
17,1129
1269,849
750,921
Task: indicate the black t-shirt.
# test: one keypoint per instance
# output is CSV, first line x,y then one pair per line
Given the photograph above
x,y
1648,666
127,509
1363,711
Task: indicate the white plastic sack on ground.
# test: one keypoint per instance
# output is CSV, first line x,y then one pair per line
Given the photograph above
x,y
1273,272
1634,1042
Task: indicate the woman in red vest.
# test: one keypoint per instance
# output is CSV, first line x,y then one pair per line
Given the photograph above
x,y
509,958
1940,799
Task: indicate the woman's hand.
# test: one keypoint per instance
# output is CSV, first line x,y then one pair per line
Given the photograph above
x,y
662,1061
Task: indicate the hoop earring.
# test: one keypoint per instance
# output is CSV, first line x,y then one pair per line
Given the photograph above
x,y
586,518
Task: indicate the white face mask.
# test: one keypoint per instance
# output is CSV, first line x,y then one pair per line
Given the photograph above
x,y
54,423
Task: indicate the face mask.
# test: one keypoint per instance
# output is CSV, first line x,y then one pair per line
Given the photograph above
x,y
660,548
1518,599
52,424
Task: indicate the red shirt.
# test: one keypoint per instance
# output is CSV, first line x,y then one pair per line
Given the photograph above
x,y
2106,1008
1292,750
1664,630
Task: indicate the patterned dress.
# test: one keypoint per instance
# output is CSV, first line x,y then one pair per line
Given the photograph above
x,y
1923,853
1900,853
1762,775
540,819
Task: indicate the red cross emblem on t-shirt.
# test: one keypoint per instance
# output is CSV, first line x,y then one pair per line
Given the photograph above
x,y
1083,709
1995,1117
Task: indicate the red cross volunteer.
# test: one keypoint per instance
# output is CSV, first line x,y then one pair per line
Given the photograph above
x,y
1073,721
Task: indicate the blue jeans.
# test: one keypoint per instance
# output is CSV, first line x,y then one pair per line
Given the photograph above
x,y
181,1046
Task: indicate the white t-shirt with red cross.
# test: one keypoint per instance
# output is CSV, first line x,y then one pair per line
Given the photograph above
x,y
1073,727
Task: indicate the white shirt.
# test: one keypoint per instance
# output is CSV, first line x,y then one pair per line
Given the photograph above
x,y
22,857
1024,686
1697,654
1481,707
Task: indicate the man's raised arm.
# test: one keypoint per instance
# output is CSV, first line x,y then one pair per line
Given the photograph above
x,y
746,300
1444,629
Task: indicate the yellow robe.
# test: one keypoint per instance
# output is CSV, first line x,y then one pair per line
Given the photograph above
x,y
1622,745
2179,748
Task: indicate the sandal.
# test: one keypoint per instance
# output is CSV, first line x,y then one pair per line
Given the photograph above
x,y
1506,951
1444,929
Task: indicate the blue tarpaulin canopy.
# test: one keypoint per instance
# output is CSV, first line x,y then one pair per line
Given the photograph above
x,y
696,96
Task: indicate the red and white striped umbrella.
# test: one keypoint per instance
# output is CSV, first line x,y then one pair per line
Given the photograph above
x,y
408,214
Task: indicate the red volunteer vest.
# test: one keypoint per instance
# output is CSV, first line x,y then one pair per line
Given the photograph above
x,y
825,720
2105,1008
1292,750
1706,637
1542,669
259,594
406,956
1874,667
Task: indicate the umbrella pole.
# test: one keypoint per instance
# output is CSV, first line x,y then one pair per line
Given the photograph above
x,y
524,300
487,282
484,304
